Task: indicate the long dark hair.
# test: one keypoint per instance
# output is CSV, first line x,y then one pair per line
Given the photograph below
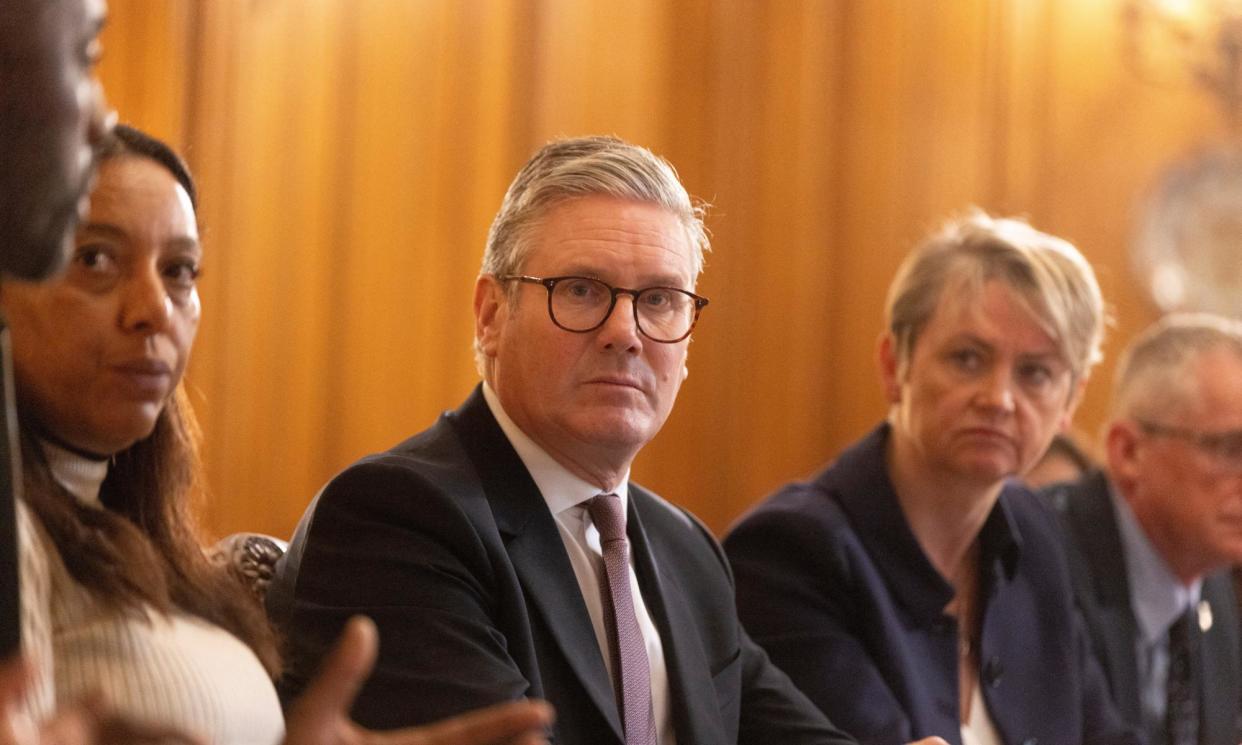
x,y
143,547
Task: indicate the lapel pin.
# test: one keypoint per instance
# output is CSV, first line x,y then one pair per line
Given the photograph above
x,y
1205,616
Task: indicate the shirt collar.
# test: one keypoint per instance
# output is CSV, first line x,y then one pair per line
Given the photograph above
x,y
561,489
1158,597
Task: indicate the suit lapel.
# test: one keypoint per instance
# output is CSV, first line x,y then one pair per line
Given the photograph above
x,y
1219,659
689,672
1094,530
538,556
537,552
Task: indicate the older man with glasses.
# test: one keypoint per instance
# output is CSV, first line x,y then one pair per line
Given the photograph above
x,y
1151,537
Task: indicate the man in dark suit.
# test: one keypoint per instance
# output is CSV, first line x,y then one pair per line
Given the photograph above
x,y
1151,537
504,552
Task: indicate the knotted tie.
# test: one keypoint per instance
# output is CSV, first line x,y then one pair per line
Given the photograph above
x,y
629,651
1182,713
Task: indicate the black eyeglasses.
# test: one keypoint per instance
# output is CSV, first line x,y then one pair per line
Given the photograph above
x,y
582,304
1225,447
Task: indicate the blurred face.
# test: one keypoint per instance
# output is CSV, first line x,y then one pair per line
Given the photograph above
x,y
1188,495
1052,468
98,350
54,120
591,400
983,393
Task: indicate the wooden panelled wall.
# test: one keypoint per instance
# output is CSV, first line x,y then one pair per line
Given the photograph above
x,y
351,154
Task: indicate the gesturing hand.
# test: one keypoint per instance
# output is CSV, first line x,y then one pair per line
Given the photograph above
x,y
321,715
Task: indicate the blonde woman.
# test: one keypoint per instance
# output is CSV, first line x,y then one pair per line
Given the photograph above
x,y
912,588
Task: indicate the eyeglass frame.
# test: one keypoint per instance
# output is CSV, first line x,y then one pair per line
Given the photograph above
x,y
549,284
1211,443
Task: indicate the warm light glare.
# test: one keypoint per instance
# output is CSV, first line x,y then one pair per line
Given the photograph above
x,y
1180,10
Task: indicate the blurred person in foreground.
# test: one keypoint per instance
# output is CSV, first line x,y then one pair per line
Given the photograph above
x,y
1153,534
914,567
118,598
505,552
52,117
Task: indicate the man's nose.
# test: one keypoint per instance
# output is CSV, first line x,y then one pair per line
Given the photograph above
x,y
620,329
100,118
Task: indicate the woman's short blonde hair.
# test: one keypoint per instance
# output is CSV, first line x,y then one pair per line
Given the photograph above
x,y
1050,277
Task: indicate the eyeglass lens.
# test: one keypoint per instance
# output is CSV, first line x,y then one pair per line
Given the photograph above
x,y
582,304
1224,446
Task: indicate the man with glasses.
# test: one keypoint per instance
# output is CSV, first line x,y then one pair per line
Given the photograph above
x,y
1151,538
505,552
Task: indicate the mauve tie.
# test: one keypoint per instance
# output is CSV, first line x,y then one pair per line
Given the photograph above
x,y
629,651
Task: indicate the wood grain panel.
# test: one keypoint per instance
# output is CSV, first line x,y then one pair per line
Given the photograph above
x,y
146,65
352,153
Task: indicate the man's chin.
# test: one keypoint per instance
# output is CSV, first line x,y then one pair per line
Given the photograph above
x,y
623,431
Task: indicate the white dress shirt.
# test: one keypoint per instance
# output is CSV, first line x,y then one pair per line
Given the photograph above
x,y
566,495
979,729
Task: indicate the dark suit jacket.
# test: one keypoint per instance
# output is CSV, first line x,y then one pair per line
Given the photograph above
x,y
446,542
832,582
1102,586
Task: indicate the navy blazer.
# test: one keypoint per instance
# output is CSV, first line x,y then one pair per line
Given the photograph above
x,y
1102,586
832,582
446,542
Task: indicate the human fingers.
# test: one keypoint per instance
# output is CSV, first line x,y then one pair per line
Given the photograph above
x,y
514,723
14,677
321,715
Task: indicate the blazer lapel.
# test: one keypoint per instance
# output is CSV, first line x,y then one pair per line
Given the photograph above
x,y
539,557
538,554
689,672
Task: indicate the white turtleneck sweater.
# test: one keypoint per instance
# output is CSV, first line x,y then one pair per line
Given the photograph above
x,y
177,670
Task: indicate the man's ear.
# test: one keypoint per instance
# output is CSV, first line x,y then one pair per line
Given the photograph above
x,y
490,312
886,356
1121,444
